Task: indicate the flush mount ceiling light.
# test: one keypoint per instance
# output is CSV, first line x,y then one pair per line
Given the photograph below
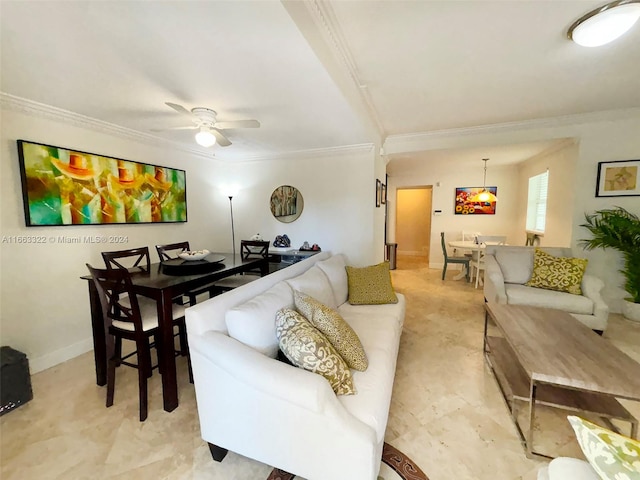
x,y
205,137
605,24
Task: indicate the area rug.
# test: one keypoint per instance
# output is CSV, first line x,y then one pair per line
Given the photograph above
x,y
402,466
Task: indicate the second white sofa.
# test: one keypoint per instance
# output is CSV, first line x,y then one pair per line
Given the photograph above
x,y
508,268
287,417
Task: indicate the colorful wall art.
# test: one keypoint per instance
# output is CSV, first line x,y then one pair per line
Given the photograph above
x,y
469,201
68,187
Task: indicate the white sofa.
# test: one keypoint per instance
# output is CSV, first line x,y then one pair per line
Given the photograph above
x,y
289,418
565,468
508,268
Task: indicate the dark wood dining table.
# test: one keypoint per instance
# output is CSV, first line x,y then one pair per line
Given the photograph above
x,y
163,287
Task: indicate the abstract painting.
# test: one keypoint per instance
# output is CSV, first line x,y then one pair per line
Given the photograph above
x,y
62,186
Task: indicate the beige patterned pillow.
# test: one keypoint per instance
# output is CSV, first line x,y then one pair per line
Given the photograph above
x,y
307,348
563,274
370,285
333,326
612,456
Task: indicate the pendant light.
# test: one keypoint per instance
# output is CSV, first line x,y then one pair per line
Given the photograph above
x,y
485,196
605,24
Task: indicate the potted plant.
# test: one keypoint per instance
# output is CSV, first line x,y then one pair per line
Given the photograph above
x,y
619,229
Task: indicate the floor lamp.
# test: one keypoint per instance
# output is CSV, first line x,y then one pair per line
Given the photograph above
x,y
233,232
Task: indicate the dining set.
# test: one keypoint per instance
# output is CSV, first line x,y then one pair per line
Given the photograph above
x,y
472,246
133,299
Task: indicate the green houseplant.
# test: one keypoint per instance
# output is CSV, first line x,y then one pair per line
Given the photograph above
x,y
619,229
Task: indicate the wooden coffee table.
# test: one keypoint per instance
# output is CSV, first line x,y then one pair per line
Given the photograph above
x,y
547,357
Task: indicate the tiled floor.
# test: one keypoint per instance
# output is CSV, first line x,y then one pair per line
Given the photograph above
x,y
446,413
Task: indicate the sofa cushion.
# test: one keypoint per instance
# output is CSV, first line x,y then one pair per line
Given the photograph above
x,y
516,265
538,297
334,269
309,349
253,322
611,455
564,468
314,282
563,274
379,328
370,285
333,326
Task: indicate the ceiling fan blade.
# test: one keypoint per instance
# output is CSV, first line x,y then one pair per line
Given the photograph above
x,y
220,138
193,127
178,108
238,124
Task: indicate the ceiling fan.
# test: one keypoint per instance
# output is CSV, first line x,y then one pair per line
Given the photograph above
x,y
204,120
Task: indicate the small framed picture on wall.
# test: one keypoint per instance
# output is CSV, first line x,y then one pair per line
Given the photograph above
x,y
620,178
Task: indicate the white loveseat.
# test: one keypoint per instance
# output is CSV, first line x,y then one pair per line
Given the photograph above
x,y
287,417
508,268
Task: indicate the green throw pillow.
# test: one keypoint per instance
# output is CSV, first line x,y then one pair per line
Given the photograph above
x,y
307,348
611,455
370,285
563,274
333,326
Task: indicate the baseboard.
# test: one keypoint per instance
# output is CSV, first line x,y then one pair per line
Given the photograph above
x,y
52,359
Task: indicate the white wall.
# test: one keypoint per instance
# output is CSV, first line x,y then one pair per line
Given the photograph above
x,y
338,192
44,305
443,198
561,163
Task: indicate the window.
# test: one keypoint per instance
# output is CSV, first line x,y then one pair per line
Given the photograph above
x,y
537,203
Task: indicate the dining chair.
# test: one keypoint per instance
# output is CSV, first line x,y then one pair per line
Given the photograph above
x,y
139,258
453,259
477,261
469,237
126,318
248,249
171,251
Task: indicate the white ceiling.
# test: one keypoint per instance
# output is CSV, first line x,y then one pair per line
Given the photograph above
x,y
316,74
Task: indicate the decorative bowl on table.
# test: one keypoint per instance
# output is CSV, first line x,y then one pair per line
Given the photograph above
x,y
194,254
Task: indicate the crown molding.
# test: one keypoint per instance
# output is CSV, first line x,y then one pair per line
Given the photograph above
x,y
413,142
41,110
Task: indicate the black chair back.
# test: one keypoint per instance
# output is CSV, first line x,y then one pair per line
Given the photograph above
x,y
135,257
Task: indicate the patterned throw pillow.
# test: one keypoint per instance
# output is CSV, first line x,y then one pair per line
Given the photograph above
x,y
612,456
563,274
307,348
370,285
333,326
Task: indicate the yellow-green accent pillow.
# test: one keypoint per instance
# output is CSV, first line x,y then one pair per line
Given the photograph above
x,y
611,455
370,285
333,326
563,274
307,348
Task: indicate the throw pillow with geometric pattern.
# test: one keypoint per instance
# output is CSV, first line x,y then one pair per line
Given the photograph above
x,y
334,327
563,274
307,348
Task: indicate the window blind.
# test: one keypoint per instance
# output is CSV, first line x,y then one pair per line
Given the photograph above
x,y
537,203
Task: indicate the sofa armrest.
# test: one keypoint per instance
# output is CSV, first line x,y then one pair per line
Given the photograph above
x,y
494,290
591,287
270,376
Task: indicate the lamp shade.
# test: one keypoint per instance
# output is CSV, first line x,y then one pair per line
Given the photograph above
x,y
605,24
205,138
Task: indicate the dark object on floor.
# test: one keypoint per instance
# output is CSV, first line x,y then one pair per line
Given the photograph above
x,y
398,461
15,381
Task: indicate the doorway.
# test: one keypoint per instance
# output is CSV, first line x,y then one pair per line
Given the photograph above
x,y
413,226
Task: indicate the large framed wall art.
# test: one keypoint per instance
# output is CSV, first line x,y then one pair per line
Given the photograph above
x,y
62,186
620,178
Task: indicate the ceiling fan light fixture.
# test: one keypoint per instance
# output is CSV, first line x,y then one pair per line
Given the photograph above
x,y
205,137
605,24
